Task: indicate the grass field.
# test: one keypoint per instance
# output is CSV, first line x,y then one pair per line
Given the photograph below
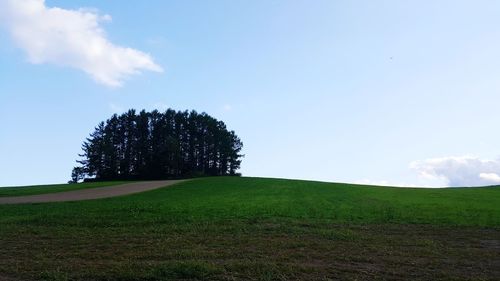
x,y
258,229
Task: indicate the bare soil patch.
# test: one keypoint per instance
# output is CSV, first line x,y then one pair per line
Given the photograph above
x,y
91,193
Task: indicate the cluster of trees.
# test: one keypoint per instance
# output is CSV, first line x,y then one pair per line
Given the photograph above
x,y
159,145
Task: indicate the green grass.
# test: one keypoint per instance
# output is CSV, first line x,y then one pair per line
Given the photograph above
x,y
258,229
221,199
42,189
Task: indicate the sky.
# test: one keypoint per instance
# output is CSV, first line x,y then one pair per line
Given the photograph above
x,y
402,93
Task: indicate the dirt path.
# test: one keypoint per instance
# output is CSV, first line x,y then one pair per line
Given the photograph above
x,y
91,193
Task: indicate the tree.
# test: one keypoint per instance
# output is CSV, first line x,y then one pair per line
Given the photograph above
x,y
155,145
77,174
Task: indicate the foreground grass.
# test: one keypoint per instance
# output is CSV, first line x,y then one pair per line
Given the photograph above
x,y
42,189
257,229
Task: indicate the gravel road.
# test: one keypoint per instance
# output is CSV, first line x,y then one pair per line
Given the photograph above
x,y
91,193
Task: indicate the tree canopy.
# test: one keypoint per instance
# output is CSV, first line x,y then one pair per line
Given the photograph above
x,y
159,145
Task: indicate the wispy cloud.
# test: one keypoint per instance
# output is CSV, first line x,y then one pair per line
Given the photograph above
x,y
372,182
490,177
116,108
160,106
460,171
72,38
387,183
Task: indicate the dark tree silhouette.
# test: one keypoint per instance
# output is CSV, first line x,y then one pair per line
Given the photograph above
x,y
155,145
77,175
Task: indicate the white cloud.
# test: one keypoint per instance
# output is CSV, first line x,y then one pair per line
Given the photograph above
x,y
460,171
491,177
72,38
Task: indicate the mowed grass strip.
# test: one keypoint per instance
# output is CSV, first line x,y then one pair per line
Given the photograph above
x,y
258,229
257,250
54,188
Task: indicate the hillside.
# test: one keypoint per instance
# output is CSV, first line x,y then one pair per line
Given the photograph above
x,y
257,229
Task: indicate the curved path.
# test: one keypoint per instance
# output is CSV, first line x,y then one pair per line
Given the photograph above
x,y
90,193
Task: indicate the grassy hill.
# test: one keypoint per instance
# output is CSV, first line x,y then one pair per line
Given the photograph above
x,y
257,229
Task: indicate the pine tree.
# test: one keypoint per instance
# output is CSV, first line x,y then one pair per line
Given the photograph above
x,y
154,145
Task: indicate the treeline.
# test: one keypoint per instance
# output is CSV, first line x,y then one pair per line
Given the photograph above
x,y
159,145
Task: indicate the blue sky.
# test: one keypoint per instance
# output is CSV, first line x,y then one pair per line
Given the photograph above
x,y
384,92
